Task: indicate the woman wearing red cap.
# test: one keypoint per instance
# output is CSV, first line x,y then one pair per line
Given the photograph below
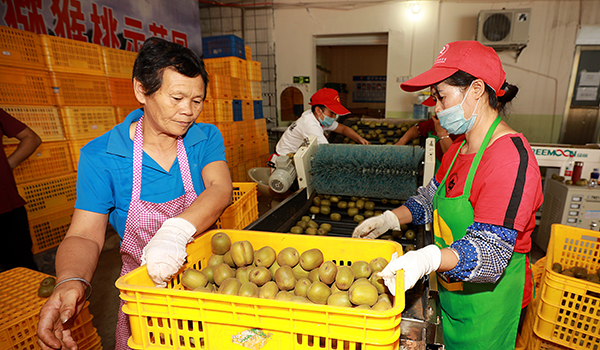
x,y
482,203
325,107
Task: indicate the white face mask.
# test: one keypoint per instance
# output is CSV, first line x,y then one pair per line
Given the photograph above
x,y
453,119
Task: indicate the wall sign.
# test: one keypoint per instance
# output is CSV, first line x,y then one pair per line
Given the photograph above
x,y
369,88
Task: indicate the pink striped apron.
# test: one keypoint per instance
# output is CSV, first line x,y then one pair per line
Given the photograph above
x,y
145,218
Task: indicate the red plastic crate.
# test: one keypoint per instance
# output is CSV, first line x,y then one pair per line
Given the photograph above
x,y
49,159
121,92
25,87
20,48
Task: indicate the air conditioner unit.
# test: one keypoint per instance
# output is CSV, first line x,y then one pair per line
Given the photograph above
x,y
504,28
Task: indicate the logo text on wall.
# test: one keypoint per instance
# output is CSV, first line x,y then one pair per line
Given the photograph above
x,y
567,153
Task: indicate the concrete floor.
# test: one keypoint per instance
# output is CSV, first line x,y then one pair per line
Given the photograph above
x,y
104,302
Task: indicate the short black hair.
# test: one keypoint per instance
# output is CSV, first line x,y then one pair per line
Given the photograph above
x,y
158,54
463,80
313,107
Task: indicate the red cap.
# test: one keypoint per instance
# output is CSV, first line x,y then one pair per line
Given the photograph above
x,y
330,99
469,56
429,102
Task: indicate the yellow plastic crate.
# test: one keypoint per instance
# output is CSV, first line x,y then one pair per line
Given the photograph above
x,y
528,340
256,90
75,147
50,195
80,90
118,63
72,56
20,308
49,159
25,87
219,87
567,311
20,48
185,319
87,122
48,231
231,66
45,121
123,112
254,72
244,209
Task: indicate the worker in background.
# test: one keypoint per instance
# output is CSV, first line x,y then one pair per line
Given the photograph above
x,y
482,203
15,250
159,178
325,109
430,128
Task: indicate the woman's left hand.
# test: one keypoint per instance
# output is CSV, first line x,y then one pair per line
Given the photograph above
x,y
165,254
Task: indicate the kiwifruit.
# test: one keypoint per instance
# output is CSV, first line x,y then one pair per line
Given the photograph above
x,y
314,210
325,210
342,204
335,217
296,229
557,267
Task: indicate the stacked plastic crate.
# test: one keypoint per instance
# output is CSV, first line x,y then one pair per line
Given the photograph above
x,y
234,103
19,313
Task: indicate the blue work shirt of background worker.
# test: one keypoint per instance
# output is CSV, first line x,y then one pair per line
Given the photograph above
x,y
106,164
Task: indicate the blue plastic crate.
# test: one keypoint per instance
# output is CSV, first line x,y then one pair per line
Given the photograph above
x,y
258,110
236,105
223,46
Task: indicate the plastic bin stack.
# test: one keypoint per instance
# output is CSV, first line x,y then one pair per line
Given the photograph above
x,y
564,314
234,103
19,313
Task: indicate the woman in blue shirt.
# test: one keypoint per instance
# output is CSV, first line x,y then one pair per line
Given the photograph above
x,y
158,177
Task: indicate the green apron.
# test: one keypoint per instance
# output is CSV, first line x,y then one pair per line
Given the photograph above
x,y
475,315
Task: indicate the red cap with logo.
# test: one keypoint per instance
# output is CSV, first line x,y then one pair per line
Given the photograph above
x,y
468,56
330,99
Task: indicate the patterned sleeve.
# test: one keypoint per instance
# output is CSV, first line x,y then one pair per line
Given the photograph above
x,y
420,205
484,253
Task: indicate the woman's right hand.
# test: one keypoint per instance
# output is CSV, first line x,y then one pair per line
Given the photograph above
x,y
58,315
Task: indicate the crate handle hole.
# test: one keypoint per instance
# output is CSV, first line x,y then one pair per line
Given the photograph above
x,y
299,338
311,341
322,342
334,344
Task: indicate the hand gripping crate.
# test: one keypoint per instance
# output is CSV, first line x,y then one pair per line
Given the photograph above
x,y
567,313
25,87
20,308
191,320
49,159
50,195
80,90
118,63
87,122
244,209
72,56
20,48
45,121
49,230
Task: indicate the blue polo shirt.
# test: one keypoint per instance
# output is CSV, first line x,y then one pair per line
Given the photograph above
x,y
105,170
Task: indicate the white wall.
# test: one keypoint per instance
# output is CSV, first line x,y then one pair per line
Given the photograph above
x,y
542,71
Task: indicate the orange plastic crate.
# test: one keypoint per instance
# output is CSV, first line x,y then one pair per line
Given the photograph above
x,y
75,147
50,195
121,92
122,112
230,154
20,48
49,159
118,63
80,90
248,110
72,56
246,90
248,52
256,90
228,131
45,121
236,88
87,122
188,318
254,72
25,87
219,87
246,129
20,308
260,127
48,231
216,110
231,66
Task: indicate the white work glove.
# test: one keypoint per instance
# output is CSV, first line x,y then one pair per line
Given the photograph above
x,y
165,254
416,264
375,226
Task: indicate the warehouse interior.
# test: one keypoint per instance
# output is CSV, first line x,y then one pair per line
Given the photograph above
x,y
69,80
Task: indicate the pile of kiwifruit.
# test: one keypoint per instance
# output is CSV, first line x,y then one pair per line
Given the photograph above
x,y
577,272
288,275
322,204
580,182
382,133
